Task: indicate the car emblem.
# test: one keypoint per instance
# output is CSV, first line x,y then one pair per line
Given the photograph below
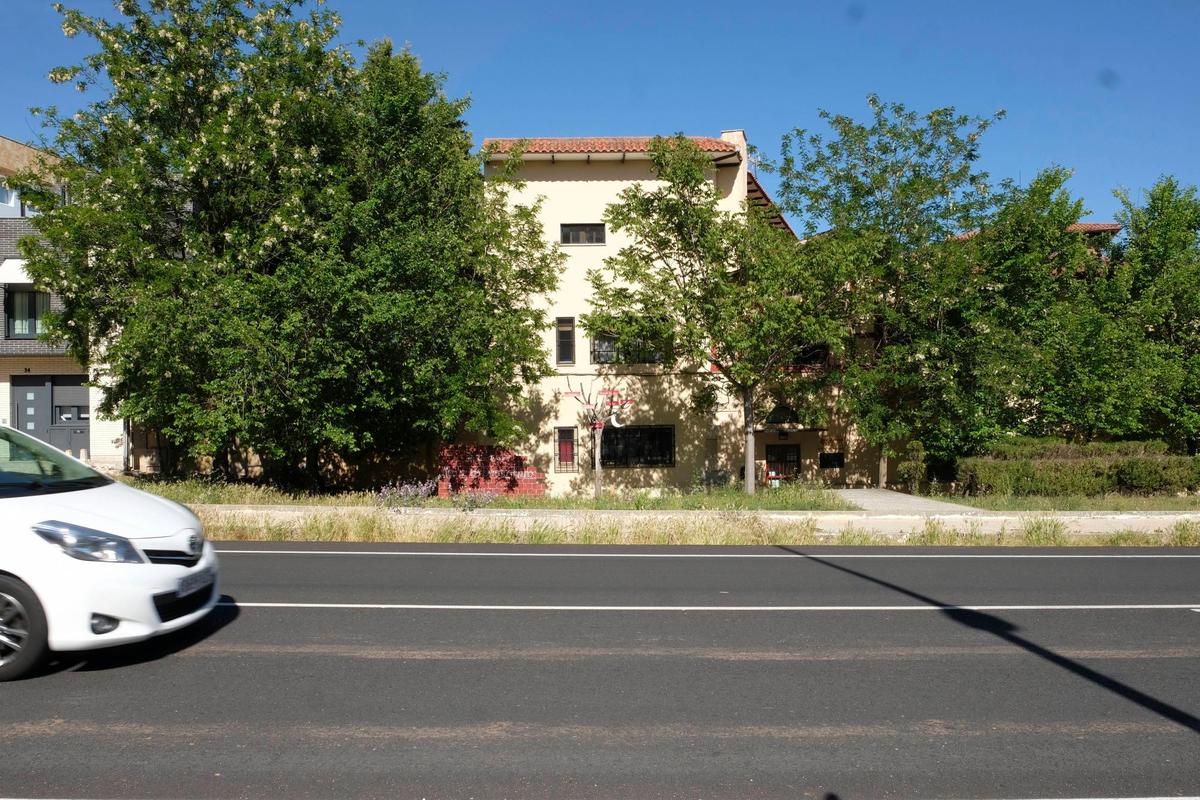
x,y
195,544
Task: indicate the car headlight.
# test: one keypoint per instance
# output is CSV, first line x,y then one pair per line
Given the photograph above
x,y
87,544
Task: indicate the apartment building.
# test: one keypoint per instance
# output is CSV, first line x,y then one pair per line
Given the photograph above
x,y
658,439
43,391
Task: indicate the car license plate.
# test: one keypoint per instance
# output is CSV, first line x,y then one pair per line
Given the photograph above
x,y
190,584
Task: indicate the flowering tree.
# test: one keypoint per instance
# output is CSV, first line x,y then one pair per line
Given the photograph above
x,y
268,246
600,407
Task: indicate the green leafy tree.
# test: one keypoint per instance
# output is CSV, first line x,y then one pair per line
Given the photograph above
x,y
894,192
1162,251
267,247
713,287
1073,355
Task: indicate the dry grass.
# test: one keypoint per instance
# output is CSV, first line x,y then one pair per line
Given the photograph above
x,y
794,497
382,526
1108,502
192,491
373,525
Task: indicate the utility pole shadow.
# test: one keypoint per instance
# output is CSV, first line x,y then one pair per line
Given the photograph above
x,y
1007,631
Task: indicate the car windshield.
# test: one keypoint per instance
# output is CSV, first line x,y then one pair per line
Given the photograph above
x,y
28,466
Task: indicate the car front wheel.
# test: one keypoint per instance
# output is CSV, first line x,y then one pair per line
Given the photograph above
x,y
22,630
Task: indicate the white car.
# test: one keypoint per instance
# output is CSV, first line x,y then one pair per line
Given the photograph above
x,y
86,562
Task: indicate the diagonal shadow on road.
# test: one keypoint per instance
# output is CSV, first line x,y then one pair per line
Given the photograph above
x,y
1007,631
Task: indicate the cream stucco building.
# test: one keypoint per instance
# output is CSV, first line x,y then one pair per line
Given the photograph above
x,y
661,441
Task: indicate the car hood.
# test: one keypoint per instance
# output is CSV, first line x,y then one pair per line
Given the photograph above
x,y
115,508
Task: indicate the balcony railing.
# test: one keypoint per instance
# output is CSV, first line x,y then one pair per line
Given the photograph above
x,y
606,350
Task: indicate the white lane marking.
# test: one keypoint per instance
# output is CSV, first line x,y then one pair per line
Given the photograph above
x,y
497,607
830,556
1181,797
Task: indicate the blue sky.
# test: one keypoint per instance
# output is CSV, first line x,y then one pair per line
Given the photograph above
x,y
1109,89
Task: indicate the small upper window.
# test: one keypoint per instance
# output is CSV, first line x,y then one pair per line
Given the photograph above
x,y
591,233
23,312
565,340
7,196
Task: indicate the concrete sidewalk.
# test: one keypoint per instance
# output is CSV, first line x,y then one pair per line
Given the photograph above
x,y
885,501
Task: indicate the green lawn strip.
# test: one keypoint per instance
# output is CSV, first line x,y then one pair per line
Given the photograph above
x,y
1108,502
786,498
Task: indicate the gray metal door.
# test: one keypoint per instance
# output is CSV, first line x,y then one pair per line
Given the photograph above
x,y
31,405
54,408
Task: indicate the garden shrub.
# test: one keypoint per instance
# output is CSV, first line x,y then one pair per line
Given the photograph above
x,y
913,468
1032,447
1079,476
1157,475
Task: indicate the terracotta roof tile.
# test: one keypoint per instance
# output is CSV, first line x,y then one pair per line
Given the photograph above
x,y
1075,227
1095,227
602,144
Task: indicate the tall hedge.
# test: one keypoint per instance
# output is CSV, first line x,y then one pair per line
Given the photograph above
x,y
1141,474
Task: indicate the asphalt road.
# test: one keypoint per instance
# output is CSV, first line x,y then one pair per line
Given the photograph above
x,y
397,672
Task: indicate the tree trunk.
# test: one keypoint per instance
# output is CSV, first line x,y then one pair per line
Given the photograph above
x,y
748,421
883,467
125,446
312,467
597,476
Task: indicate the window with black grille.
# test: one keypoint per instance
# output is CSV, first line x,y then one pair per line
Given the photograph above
x,y
566,453
606,349
783,460
638,446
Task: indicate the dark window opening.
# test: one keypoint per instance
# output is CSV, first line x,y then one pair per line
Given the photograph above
x,y
591,233
832,460
23,312
606,349
565,451
638,446
783,460
566,340
810,356
783,414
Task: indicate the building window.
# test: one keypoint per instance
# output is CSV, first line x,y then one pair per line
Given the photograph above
x,y
7,196
832,460
783,460
638,446
591,233
71,415
606,350
783,414
810,357
565,455
565,353
23,312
